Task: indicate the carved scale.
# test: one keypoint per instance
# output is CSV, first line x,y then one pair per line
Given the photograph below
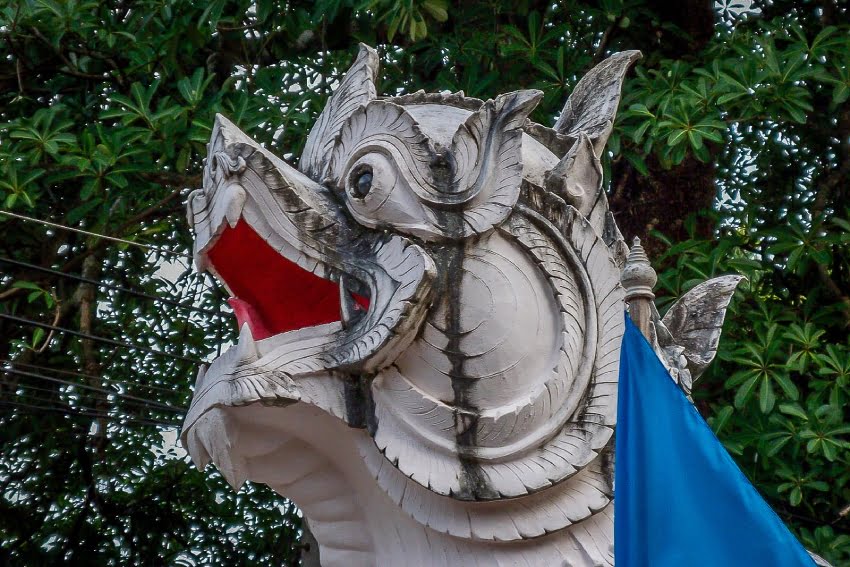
x,y
461,407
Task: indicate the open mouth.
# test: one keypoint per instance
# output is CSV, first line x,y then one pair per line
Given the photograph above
x,y
323,291
274,295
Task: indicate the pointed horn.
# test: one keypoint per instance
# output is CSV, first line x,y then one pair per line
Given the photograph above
x,y
356,89
592,106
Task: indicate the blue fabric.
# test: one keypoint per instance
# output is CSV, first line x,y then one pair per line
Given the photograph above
x,y
680,498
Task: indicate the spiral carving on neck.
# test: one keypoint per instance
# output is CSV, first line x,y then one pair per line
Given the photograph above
x,y
488,418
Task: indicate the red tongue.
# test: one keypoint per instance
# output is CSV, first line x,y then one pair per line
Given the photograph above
x,y
361,301
272,294
245,313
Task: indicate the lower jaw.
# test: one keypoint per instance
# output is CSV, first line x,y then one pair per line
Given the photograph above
x,y
298,339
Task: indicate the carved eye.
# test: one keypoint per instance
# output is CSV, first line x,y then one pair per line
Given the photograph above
x,y
361,182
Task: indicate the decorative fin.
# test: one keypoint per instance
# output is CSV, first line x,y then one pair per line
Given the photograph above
x,y
356,89
695,321
819,561
592,105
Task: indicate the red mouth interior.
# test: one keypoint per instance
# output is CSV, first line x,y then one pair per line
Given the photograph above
x,y
272,294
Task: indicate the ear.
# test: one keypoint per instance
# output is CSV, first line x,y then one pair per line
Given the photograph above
x,y
577,178
487,154
592,105
356,89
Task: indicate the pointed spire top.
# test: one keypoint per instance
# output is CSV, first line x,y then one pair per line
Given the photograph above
x,y
638,275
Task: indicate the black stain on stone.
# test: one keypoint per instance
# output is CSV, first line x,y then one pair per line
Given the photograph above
x,y
449,258
355,414
359,404
607,461
473,481
370,420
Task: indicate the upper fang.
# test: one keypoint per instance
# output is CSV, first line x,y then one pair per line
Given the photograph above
x,y
350,311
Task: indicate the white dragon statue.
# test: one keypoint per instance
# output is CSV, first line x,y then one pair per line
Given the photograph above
x,y
431,316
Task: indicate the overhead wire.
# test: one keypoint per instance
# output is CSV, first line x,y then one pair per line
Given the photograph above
x,y
64,406
153,404
60,405
96,338
86,412
94,234
124,383
99,283
122,412
89,412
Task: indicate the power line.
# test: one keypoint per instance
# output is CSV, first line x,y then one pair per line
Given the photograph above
x,y
84,375
61,404
98,339
71,412
153,404
94,234
62,407
13,387
109,286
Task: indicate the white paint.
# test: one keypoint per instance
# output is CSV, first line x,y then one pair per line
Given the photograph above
x,y
467,417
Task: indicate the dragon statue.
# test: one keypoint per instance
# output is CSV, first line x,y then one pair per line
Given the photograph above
x,y
431,313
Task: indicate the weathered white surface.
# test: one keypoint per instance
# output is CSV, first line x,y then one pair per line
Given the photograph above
x,y
466,417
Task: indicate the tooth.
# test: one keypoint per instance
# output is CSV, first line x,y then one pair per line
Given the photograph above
x,y
196,449
235,203
246,348
347,305
201,263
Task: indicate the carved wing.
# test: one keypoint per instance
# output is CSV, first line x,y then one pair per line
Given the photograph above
x,y
357,88
695,321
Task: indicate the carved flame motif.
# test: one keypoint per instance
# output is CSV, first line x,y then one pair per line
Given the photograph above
x,y
431,316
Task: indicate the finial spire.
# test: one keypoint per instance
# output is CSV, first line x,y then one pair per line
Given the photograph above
x,y
638,279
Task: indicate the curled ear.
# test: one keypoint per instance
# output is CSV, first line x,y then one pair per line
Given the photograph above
x,y
592,106
356,89
487,154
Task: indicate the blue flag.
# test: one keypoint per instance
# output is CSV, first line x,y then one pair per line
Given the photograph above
x,y
680,498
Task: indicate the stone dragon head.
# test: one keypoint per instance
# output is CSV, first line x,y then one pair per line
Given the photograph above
x,y
431,315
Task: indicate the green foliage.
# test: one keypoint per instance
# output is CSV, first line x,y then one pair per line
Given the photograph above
x,y
767,74
778,392
105,111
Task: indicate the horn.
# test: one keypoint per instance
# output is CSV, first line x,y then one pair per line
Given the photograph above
x,y
356,89
578,176
592,106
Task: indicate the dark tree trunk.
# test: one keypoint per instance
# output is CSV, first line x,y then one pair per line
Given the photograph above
x,y
665,198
